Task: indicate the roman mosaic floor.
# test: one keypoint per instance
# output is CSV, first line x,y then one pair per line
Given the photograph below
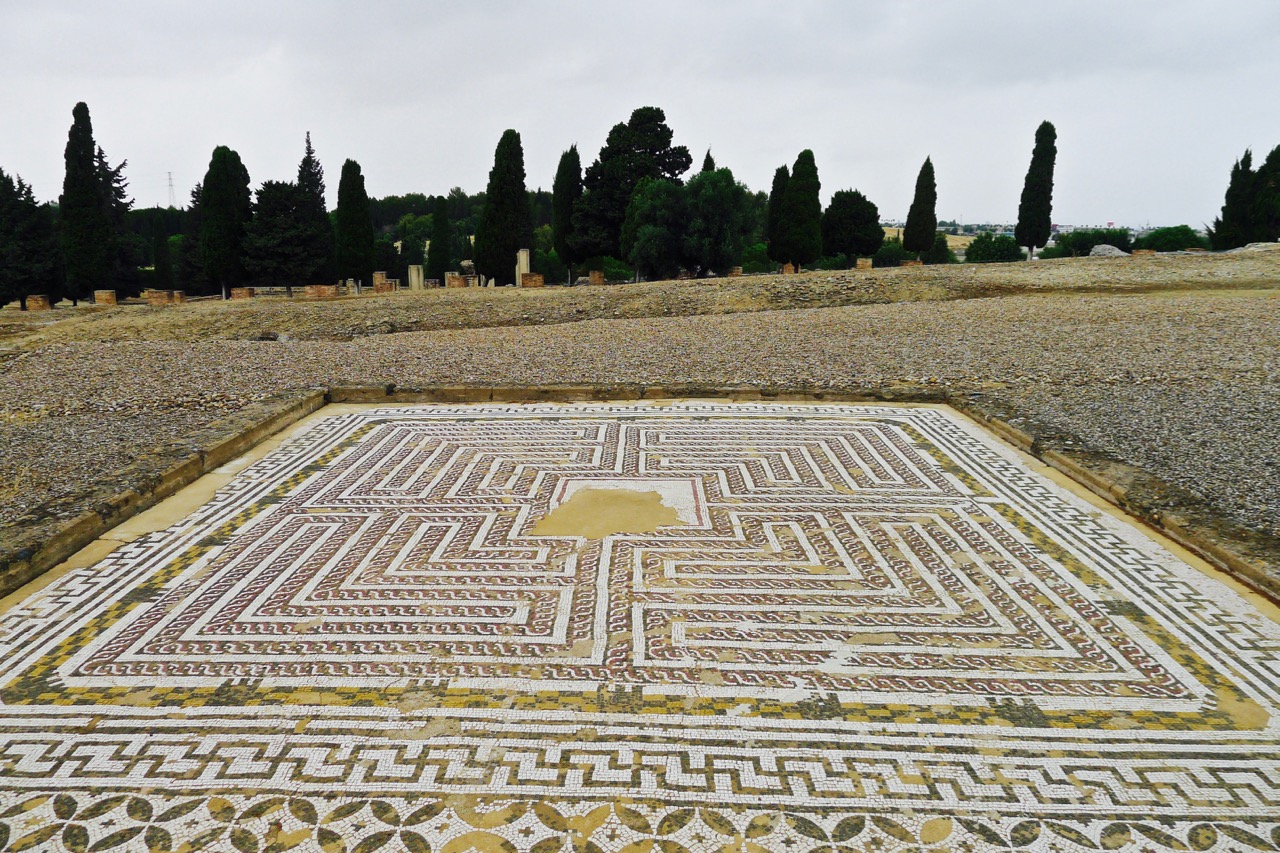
x,y
640,627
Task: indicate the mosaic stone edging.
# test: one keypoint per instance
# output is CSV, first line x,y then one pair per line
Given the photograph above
x,y
255,824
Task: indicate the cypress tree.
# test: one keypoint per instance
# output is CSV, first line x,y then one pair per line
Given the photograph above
x,y
708,163
565,193
163,262
1035,221
776,194
88,237
1231,229
226,208
504,223
439,253
353,230
317,235
922,218
28,247
799,238
851,226
1264,210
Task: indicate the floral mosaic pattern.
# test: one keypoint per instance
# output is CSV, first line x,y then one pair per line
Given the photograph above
x,y
871,629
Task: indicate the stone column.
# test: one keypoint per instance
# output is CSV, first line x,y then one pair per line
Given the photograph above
x,y
522,264
415,276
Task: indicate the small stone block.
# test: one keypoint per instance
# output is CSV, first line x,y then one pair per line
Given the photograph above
x,y
735,272
160,298
596,276
864,263
38,302
453,279
531,279
104,297
242,293
179,297
788,269
913,263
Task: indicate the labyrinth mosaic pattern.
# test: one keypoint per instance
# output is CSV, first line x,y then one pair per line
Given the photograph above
x,y
854,628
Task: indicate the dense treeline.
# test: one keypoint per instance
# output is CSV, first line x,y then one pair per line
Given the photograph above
x,y
631,211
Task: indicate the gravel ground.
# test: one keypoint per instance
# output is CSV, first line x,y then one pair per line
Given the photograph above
x,y
1184,384
347,319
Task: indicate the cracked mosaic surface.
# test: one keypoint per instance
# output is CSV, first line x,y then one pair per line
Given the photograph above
x,y
869,628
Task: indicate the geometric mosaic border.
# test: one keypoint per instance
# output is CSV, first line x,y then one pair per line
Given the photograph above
x,y
1164,734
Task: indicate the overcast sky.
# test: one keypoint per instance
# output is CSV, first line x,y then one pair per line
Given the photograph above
x,y
1152,99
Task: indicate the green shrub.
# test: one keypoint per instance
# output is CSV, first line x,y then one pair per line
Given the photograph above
x,y
1172,239
830,262
755,258
890,254
939,252
1079,244
987,248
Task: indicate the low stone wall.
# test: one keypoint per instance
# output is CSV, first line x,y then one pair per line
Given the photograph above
x,y
320,291
453,279
242,293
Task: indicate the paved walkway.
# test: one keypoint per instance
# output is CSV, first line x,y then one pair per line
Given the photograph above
x,y
679,627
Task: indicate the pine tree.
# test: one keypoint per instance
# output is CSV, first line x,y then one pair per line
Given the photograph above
x,y
189,269
353,229
799,238
708,162
88,238
226,207
130,248
657,218
851,226
1035,221
276,247
922,218
504,223
317,236
718,222
439,253
639,149
776,194
1231,229
163,262
565,193
28,247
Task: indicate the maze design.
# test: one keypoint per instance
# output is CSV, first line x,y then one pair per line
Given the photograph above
x,y
864,613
